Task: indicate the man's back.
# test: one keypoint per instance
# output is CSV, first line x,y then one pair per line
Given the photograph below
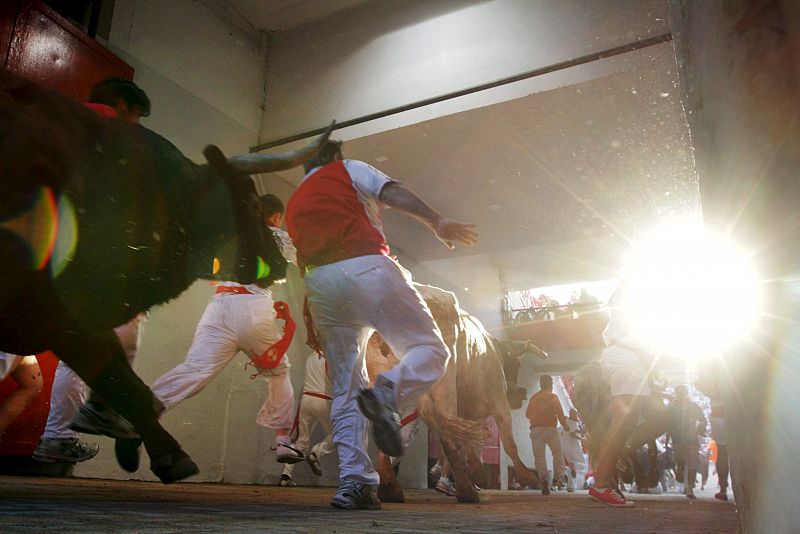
x,y
334,214
543,409
683,418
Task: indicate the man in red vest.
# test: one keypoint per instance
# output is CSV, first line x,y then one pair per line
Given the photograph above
x,y
353,287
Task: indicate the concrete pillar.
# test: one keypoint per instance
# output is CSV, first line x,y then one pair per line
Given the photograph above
x,y
738,62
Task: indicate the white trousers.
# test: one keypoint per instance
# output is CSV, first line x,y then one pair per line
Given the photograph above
x,y
231,323
69,391
547,435
313,411
347,300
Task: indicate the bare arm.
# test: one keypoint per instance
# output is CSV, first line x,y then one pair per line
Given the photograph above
x,y
396,196
562,419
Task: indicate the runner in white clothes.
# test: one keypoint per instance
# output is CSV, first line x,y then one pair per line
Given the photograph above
x,y
240,318
315,407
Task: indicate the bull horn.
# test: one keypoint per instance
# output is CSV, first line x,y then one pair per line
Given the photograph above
x,y
258,163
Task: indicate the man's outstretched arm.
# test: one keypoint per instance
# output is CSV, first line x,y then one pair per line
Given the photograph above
x,y
398,197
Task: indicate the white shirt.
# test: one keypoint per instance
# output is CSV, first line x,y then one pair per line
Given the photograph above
x,y
316,378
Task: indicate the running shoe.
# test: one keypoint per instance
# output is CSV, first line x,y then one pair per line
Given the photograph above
x,y
378,404
443,485
610,498
353,495
286,482
52,450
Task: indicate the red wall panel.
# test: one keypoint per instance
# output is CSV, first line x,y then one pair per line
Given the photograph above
x,y
8,14
47,49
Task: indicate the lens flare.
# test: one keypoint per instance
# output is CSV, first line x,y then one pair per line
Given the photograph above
x,y
215,266
37,227
263,269
691,294
67,238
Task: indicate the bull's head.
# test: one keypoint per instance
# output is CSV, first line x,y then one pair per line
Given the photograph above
x,y
252,254
511,353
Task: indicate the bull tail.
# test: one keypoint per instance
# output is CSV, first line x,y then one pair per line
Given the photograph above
x,y
451,428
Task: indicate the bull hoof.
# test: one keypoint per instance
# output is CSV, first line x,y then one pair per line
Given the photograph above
x,y
172,468
391,493
470,496
477,474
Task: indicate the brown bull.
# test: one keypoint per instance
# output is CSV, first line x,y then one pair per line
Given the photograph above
x,y
479,381
101,220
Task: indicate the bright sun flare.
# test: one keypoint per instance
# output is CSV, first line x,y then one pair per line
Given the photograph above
x,y
691,294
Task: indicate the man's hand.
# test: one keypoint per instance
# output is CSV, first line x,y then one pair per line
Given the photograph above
x,y
448,231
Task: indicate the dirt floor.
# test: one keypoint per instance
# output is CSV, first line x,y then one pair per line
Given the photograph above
x,y
34,504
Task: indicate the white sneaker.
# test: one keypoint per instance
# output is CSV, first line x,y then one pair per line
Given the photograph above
x,y
286,482
443,485
51,450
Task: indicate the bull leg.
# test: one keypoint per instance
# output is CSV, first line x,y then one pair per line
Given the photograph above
x,y
474,464
524,475
101,363
389,490
465,489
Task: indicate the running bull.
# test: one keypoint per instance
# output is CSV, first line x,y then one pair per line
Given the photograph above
x,y
479,381
101,220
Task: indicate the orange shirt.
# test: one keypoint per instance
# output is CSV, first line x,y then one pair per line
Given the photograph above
x,y
713,453
543,409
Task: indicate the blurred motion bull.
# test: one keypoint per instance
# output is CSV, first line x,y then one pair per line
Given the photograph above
x,y
101,220
480,380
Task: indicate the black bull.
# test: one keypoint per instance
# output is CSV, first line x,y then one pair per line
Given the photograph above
x,y
101,220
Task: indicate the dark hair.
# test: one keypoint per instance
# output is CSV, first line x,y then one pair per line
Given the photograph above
x,y
546,382
111,90
327,153
271,204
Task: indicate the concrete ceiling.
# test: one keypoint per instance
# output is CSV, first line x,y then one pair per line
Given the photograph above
x,y
574,172
281,15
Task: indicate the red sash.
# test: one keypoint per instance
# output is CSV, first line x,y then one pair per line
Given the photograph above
x,y
272,356
410,417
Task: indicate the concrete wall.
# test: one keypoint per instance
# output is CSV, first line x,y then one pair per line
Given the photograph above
x,y
740,73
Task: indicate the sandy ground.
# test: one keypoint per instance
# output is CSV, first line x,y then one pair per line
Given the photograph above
x,y
34,504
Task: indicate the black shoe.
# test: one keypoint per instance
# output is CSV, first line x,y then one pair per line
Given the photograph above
x,y
378,405
286,482
92,419
545,489
127,452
